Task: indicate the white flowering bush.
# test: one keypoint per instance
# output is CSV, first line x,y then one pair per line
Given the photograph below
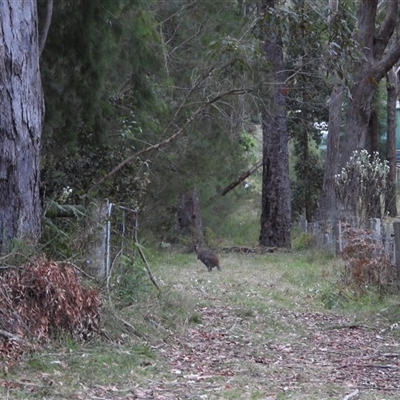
x,y
361,183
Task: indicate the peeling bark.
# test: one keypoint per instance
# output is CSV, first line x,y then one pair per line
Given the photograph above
x,y
21,115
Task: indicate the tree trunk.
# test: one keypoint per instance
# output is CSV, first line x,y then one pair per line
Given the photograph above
x,y
327,210
373,132
21,115
376,62
373,209
188,217
276,212
358,115
392,92
327,205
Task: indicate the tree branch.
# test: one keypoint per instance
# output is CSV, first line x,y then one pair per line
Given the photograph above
x,y
386,29
388,61
366,25
157,146
241,178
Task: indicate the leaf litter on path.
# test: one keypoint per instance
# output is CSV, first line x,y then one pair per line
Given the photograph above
x,y
322,353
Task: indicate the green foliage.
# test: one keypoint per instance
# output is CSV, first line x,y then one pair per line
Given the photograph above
x,y
129,281
343,51
56,240
67,237
307,186
17,252
195,318
113,76
232,219
95,73
210,153
306,93
247,141
332,299
304,241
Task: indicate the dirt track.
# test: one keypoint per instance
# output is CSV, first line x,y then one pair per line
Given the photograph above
x,y
255,353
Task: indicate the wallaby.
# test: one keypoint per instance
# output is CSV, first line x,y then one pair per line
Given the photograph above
x,y
208,258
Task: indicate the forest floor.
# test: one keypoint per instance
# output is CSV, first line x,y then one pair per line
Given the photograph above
x,y
255,330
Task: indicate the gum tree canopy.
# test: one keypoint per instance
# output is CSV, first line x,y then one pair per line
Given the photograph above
x,y
21,115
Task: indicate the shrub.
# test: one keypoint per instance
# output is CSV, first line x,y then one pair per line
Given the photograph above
x,y
366,263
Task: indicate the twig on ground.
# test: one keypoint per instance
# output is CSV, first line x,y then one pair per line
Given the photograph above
x,y
76,267
149,270
381,366
352,394
233,326
10,336
347,326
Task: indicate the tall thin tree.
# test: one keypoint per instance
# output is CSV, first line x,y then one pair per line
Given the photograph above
x,y
276,211
327,201
392,93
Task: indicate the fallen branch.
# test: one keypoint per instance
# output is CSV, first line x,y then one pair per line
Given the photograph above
x,y
352,394
148,269
61,263
10,336
389,366
347,326
241,178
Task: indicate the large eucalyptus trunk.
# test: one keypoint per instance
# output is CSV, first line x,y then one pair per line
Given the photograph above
x,y
21,115
371,68
276,212
358,116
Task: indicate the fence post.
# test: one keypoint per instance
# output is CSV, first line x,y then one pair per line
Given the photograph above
x,y
338,232
396,228
387,240
375,226
303,224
